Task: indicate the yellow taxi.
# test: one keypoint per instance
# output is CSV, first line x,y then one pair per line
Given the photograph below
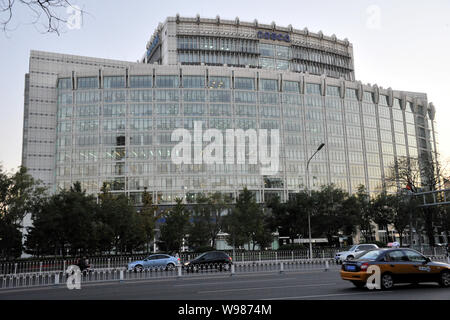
x,y
395,266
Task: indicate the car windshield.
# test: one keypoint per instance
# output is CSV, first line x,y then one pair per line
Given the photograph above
x,y
203,254
371,255
350,248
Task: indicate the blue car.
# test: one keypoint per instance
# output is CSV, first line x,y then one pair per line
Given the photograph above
x,y
160,261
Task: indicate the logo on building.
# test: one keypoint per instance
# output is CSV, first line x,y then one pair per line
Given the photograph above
x,y
274,36
152,46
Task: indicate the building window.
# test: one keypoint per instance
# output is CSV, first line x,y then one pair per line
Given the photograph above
x,y
312,88
268,85
333,91
291,86
219,83
193,81
383,100
141,81
167,82
368,96
87,83
350,94
113,82
244,83
65,83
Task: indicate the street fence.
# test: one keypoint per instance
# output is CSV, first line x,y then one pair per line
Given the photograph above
x,y
61,278
108,262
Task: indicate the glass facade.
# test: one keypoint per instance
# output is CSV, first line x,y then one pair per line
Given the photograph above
x,y
121,134
240,52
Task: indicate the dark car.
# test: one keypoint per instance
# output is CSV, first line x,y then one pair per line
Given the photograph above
x,y
396,266
209,260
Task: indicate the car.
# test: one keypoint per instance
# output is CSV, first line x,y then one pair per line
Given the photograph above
x,y
396,266
353,251
208,260
160,261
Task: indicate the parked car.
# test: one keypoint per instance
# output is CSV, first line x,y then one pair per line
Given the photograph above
x,y
396,266
207,260
353,252
155,261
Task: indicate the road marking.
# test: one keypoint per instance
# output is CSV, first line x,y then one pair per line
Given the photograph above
x,y
261,288
215,283
328,295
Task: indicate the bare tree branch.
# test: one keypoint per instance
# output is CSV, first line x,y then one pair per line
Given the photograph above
x,y
51,14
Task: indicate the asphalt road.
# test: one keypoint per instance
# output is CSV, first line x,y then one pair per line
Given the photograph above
x,y
303,285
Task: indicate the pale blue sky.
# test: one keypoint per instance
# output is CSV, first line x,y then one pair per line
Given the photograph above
x,y
407,47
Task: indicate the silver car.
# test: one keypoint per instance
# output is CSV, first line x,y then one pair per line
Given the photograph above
x,y
155,261
353,252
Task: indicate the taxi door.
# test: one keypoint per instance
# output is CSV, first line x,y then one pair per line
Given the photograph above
x,y
421,269
396,263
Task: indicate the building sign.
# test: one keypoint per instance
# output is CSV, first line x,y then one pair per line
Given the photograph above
x,y
274,36
152,46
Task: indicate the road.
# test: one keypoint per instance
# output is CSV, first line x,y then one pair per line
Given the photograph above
x,y
301,285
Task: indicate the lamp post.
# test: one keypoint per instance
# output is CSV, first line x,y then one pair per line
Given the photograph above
x,y
309,192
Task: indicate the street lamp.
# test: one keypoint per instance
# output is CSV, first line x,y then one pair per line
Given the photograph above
x,y
309,192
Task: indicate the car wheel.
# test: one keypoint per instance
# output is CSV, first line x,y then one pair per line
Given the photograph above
x,y
350,258
444,279
387,282
170,267
138,268
358,284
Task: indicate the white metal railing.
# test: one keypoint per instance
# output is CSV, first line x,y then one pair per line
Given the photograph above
x,y
52,265
60,278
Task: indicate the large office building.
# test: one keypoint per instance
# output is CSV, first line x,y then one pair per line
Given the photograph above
x,y
100,121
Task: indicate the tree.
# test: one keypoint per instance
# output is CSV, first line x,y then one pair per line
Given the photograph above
x,y
207,219
424,173
243,223
365,218
331,216
19,193
125,228
404,209
47,12
63,222
383,209
263,233
148,216
175,228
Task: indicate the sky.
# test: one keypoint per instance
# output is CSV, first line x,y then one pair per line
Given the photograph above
x,y
404,45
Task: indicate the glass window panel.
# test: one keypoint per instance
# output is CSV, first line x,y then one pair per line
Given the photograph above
x,y
266,50
267,63
193,81
282,64
87,83
350,94
219,82
113,82
167,81
244,83
282,52
312,88
291,86
141,81
333,91
65,83
268,85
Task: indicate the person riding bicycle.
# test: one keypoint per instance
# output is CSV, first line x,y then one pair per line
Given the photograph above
x,y
83,264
